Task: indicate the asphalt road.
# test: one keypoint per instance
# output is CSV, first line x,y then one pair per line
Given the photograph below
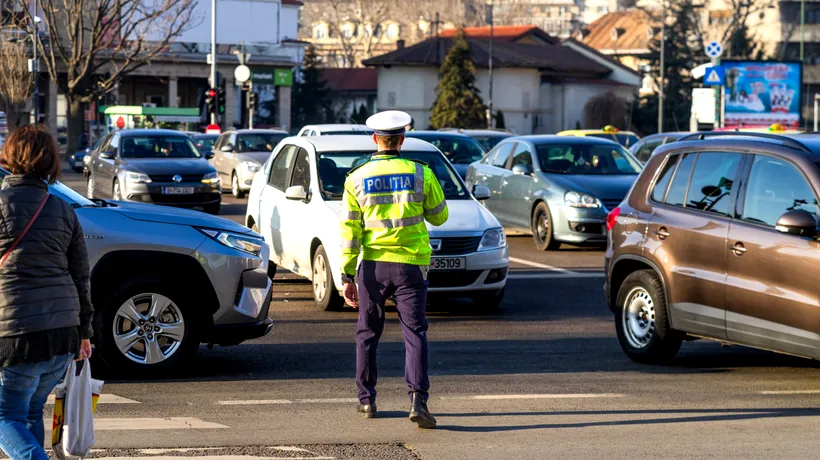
x,y
542,378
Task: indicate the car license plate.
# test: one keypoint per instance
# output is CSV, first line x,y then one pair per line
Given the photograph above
x,y
177,190
448,263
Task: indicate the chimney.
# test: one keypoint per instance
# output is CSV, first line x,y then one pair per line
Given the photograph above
x,y
399,44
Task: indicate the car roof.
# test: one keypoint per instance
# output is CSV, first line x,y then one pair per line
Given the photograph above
x,y
806,146
487,132
576,132
356,143
251,131
566,140
143,132
679,134
203,135
439,134
338,127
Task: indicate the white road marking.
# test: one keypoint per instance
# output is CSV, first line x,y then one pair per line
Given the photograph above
x,y
565,275
170,423
216,457
104,399
261,402
538,396
167,454
537,265
791,392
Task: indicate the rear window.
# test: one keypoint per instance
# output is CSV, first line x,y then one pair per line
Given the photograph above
x,y
659,192
258,142
677,189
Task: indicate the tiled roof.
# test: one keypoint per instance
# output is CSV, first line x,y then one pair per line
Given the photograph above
x,y
555,59
501,33
363,80
623,31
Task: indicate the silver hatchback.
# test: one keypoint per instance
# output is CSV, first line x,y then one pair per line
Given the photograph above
x,y
238,155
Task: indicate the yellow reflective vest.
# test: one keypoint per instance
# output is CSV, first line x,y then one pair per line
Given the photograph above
x,y
385,204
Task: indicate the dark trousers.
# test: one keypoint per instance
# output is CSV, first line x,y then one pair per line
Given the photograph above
x,y
378,281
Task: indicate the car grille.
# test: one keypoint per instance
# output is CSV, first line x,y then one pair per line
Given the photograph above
x,y
170,177
611,204
458,245
452,278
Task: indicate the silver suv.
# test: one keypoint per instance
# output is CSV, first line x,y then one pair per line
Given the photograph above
x,y
238,155
164,280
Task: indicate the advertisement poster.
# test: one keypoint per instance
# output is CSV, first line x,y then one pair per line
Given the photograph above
x,y
761,93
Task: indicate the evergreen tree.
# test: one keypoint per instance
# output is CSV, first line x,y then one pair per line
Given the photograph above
x,y
742,45
360,115
458,104
683,52
500,123
311,96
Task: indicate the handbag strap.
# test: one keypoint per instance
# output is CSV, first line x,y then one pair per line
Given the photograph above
x,y
25,230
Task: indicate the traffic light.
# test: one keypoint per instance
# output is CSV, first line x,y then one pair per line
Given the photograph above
x,y
251,100
210,100
220,96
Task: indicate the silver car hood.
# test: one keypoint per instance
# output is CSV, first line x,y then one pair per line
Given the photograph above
x,y
177,216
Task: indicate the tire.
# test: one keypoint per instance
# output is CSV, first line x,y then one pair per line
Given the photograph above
x,y
116,191
89,183
489,301
642,321
542,229
212,208
235,190
271,265
171,353
325,294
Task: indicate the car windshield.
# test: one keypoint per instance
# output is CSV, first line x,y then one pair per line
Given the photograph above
x,y
488,142
459,150
63,191
334,166
627,140
158,146
205,143
258,142
586,159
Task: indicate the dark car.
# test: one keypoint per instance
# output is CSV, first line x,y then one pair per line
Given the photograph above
x,y
204,142
459,148
560,188
153,166
488,138
718,239
643,149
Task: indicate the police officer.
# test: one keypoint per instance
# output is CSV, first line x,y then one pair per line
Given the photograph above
x,y
385,204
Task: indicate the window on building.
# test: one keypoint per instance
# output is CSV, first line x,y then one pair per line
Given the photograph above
x,y
393,31
319,31
603,10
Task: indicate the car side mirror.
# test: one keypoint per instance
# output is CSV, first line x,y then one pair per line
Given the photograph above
x,y
106,155
296,192
798,222
226,148
522,170
481,192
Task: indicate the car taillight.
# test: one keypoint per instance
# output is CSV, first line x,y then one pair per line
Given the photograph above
x,y
612,217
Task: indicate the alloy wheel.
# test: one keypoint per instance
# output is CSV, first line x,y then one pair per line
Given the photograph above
x,y
148,328
639,317
320,280
542,226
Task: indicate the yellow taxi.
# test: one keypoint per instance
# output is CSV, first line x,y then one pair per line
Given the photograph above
x,y
625,138
776,128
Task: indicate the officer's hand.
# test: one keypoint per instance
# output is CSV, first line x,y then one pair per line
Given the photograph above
x,y
351,294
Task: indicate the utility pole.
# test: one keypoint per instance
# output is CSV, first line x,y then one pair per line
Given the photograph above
x,y
802,23
213,53
662,66
490,94
436,25
35,68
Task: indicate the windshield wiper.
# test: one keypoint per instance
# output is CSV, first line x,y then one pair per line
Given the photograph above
x,y
99,202
555,171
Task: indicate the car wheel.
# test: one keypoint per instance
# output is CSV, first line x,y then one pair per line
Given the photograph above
x,y
271,265
212,208
235,190
642,321
90,187
324,289
147,328
489,301
116,193
542,231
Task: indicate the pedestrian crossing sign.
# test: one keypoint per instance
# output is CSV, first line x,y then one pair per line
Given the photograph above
x,y
714,76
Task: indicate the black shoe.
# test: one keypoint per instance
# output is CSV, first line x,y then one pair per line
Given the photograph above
x,y
419,413
368,410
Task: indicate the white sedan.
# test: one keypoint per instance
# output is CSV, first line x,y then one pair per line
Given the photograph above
x,y
295,203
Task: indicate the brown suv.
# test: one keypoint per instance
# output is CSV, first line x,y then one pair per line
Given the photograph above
x,y
718,239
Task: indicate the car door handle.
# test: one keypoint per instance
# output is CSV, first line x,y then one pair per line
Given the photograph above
x,y
739,249
662,233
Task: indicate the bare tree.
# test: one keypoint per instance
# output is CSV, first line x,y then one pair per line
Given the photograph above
x,y
358,25
91,44
16,82
605,109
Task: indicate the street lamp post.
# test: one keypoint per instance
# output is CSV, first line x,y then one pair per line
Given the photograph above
x,y
213,54
35,68
802,24
490,94
662,65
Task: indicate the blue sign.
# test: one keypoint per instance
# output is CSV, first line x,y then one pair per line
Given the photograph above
x,y
714,76
761,93
389,184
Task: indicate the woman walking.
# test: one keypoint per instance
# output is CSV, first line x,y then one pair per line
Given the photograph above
x,y
45,307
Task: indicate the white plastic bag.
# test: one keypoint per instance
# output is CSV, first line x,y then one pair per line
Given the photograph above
x,y
72,434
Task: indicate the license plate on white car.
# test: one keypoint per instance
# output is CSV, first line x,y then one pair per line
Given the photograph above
x,y
448,263
177,190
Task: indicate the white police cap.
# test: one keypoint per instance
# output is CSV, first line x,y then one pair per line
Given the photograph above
x,y
389,123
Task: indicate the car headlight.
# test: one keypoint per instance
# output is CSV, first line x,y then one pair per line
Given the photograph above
x,y
581,200
236,241
251,166
211,178
493,238
137,178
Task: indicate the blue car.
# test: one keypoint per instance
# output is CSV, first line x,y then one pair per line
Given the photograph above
x,y
75,161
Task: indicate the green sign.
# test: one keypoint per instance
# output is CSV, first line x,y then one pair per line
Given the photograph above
x,y
272,76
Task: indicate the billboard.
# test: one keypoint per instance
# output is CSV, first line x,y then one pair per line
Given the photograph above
x,y
760,93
